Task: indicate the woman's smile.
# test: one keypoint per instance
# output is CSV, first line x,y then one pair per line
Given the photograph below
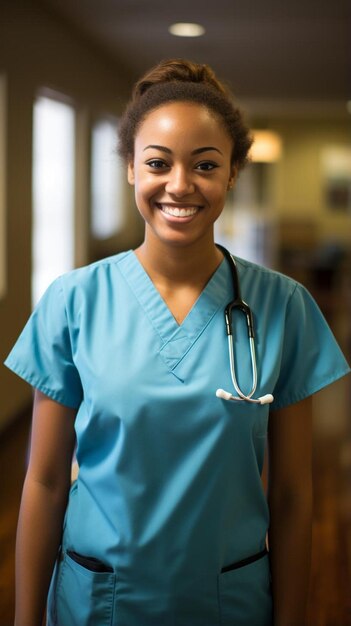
x,y
181,212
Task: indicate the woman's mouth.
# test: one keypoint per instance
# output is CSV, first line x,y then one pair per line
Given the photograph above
x,y
178,211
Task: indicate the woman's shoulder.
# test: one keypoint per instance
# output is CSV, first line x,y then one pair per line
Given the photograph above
x,y
91,275
266,277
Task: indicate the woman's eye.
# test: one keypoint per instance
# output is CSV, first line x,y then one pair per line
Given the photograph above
x,y
156,164
206,166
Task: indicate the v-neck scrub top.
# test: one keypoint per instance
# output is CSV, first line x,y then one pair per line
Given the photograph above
x,y
169,491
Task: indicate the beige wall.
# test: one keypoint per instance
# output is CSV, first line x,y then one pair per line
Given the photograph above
x,y
38,50
298,184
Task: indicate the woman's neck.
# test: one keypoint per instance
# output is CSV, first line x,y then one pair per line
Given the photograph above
x,y
179,265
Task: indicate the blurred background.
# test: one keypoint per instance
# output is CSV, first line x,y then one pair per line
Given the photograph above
x,y
66,70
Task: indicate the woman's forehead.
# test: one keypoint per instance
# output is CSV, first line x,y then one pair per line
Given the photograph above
x,y
189,120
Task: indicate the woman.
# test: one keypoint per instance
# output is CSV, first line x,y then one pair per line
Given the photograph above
x,y
167,521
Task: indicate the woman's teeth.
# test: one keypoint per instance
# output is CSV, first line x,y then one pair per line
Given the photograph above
x,y
176,212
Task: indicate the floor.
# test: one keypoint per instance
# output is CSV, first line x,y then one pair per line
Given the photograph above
x,y
330,587
13,449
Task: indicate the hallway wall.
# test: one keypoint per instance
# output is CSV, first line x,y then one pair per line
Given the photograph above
x,y
39,50
300,185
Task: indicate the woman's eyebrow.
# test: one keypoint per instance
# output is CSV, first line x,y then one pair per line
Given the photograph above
x,y
161,148
168,151
206,149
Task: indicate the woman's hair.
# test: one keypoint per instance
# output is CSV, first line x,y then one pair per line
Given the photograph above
x,y
178,80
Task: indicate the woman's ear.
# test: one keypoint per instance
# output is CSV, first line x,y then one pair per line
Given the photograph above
x,y
233,177
130,173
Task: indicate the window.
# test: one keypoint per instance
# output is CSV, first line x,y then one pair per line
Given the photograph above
x,y
2,186
53,192
108,181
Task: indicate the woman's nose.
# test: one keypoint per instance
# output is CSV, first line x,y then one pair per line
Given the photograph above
x,y
179,182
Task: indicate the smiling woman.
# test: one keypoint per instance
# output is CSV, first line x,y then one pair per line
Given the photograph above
x,y
167,521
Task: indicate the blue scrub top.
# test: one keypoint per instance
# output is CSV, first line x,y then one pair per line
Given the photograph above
x,y
169,490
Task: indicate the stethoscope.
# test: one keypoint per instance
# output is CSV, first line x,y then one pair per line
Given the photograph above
x,y
238,303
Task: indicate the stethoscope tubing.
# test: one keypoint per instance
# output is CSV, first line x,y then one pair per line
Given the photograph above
x,y
243,307
241,395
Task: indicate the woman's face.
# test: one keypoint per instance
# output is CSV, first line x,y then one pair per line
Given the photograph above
x,y
181,172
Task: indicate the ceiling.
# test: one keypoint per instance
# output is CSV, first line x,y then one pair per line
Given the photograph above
x,y
277,55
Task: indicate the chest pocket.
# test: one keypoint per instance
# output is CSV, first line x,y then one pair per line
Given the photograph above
x,y
250,420
260,425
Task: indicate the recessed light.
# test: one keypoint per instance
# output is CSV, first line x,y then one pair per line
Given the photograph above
x,y
186,29
267,146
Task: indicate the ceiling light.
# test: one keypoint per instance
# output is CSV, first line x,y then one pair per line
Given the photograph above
x,y
267,146
186,29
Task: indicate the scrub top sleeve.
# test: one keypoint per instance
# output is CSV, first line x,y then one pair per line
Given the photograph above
x,y
43,355
311,358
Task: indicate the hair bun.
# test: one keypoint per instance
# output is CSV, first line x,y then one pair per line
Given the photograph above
x,y
179,80
177,70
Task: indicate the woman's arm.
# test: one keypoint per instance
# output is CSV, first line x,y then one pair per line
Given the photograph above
x,y
290,503
43,506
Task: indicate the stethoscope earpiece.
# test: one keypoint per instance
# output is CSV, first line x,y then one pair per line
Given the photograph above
x,y
238,303
225,395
